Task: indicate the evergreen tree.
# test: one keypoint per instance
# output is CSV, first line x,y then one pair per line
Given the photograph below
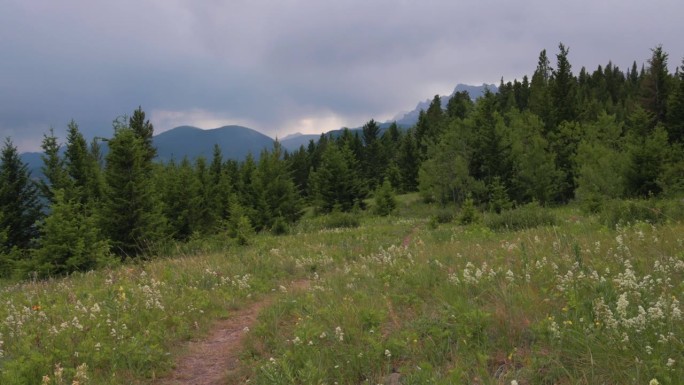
x,y
279,193
70,240
675,110
20,209
459,106
563,88
408,163
655,87
373,160
385,201
78,164
54,173
131,215
646,163
145,131
336,183
540,101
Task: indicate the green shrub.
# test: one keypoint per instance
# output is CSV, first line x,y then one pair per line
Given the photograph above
x,y
341,220
280,226
443,216
385,201
468,212
622,212
524,217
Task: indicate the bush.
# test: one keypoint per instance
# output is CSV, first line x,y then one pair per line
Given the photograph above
x,y
468,212
385,201
623,212
443,216
341,220
280,226
524,217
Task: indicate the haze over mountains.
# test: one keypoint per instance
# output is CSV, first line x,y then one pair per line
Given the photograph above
x,y
238,141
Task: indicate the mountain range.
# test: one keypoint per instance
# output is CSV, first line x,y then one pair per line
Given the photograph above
x,y
238,141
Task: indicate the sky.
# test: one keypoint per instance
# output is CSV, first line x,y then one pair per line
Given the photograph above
x,y
286,66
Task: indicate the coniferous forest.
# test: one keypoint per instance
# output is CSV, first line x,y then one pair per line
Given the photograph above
x,y
559,136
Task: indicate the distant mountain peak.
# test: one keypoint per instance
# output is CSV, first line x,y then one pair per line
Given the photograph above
x,y
410,118
291,136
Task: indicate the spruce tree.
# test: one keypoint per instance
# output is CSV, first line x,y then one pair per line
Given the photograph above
x,y
20,208
70,240
131,215
675,110
563,88
144,130
279,193
336,183
54,173
655,88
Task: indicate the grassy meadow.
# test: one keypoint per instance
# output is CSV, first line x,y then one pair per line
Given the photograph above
x,y
400,297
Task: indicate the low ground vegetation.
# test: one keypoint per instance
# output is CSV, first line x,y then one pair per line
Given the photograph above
x,y
573,300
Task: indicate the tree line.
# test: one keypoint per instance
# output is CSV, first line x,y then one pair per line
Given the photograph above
x,y
552,138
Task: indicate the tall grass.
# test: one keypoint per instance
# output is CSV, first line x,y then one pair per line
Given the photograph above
x,y
572,301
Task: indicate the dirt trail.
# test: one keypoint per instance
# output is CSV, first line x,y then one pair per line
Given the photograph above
x,y
210,361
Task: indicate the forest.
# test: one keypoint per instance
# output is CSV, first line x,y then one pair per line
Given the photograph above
x,y
557,137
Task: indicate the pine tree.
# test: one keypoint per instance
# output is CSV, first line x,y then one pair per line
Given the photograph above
x,y
675,110
70,240
373,160
144,130
655,87
540,99
20,209
385,201
131,215
274,182
563,88
336,183
54,173
408,163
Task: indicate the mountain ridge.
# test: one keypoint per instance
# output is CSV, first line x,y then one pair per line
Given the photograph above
x,y
236,142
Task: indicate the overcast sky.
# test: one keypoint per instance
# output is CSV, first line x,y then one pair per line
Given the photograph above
x,y
286,66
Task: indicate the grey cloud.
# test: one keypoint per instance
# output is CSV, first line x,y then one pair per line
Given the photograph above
x,y
275,63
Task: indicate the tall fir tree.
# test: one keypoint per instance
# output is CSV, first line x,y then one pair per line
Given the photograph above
x,y
131,215
55,175
336,184
145,131
675,110
70,240
655,87
563,88
20,208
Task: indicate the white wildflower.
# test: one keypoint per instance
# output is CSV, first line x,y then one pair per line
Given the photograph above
x,y
388,354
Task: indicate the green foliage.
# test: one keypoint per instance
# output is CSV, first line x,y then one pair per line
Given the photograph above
x,y
498,197
20,209
69,242
524,217
279,196
337,183
244,232
54,172
280,227
601,162
624,212
385,200
131,214
337,220
468,214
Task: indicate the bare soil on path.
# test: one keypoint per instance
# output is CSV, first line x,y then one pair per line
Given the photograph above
x,y
211,359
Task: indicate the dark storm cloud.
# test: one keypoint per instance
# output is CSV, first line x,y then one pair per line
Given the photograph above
x,y
283,66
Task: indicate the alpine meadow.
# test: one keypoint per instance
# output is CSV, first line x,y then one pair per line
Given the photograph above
x,y
533,235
